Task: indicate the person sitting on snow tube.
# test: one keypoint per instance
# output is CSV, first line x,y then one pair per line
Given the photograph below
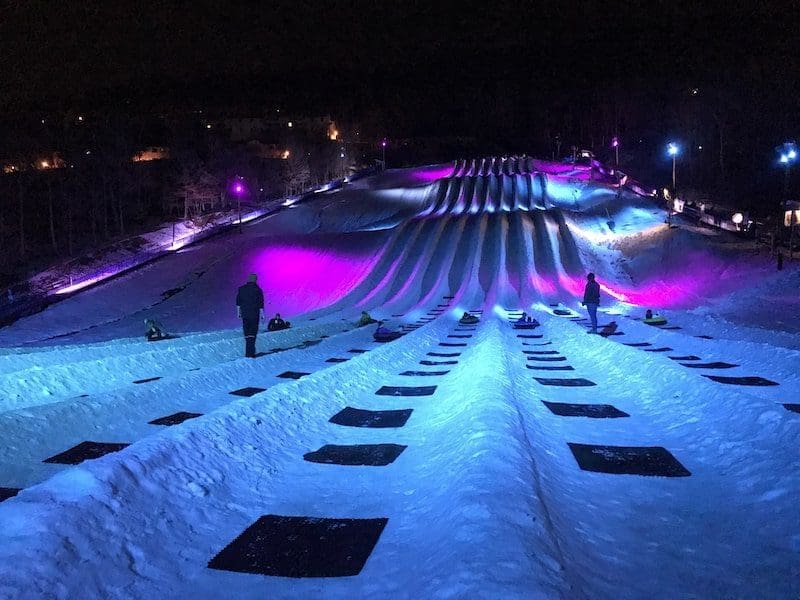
x,y
276,323
652,319
154,331
382,334
365,319
526,322
468,319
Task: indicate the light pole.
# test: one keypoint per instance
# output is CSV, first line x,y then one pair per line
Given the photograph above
x,y
239,191
615,146
383,154
673,150
788,154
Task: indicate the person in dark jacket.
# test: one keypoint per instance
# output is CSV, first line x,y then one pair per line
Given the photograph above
x,y
250,308
154,331
591,299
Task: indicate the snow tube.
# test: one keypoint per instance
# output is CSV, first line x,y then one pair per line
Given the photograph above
x,y
655,321
387,337
165,336
531,325
469,320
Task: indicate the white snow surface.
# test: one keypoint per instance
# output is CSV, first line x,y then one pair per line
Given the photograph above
x,y
487,499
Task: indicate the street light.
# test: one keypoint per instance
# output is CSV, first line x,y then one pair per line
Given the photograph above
x,y
615,146
383,155
239,190
787,155
673,150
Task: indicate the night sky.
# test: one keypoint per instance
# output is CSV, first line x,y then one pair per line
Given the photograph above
x,y
327,53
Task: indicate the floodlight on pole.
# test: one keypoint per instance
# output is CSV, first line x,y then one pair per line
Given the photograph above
x,y
615,146
673,150
383,153
787,154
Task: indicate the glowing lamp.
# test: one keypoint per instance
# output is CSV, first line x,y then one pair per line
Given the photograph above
x,y
672,149
383,143
737,218
784,159
290,124
238,188
792,154
614,142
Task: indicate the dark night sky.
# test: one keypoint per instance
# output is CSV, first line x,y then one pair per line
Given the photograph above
x,y
327,53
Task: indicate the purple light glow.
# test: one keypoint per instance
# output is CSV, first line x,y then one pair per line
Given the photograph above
x,y
238,188
297,279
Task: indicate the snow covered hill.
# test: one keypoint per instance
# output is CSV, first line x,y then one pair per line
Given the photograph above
x,y
459,461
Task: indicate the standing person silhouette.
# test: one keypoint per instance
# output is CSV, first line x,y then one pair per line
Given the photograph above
x,y
250,309
591,299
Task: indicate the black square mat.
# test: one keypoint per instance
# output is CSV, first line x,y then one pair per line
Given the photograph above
x,y
356,417
6,493
550,367
456,335
246,392
366,455
444,354
593,411
423,373
539,344
399,390
85,451
576,382
175,419
434,363
452,344
652,461
292,375
751,381
547,358
530,336
301,547
541,352
337,360
710,365
148,380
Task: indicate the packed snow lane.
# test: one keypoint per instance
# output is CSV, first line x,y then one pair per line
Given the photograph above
x,y
125,414
727,530
462,516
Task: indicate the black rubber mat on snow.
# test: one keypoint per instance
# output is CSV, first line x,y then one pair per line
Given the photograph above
x,y
548,358
356,351
6,493
637,344
175,419
539,344
541,352
452,344
436,363
284,546
337,360
792,407
85,451
562,313
576,382
663,349
550,367
444,354
455,335
704,337
148,380
687,357
399,390
530,336
651,461
424,373
375,419
750,381
356,455
292,375
710,365
593,411
671,328
246,392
